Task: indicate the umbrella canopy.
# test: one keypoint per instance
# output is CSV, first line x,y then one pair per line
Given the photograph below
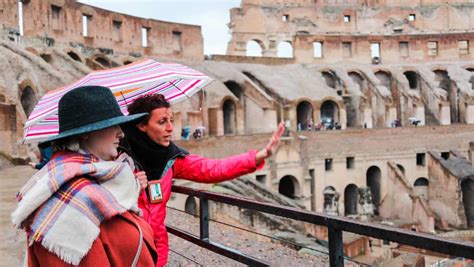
x,y
175,81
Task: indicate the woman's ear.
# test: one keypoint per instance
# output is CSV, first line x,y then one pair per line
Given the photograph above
x,y
141,126
83,137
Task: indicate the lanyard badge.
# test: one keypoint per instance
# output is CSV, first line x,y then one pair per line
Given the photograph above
x,y
155,193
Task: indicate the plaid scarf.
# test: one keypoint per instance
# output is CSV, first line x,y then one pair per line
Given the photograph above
x,y
63,204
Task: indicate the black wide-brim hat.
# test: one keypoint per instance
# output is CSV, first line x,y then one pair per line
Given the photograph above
x,y
87,109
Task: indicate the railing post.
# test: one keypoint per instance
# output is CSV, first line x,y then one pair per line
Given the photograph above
x,y
204,218
336,249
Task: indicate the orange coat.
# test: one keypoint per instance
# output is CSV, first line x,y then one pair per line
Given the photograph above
x,y
115,246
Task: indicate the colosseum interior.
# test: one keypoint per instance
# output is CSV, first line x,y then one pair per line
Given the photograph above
x,y
378,96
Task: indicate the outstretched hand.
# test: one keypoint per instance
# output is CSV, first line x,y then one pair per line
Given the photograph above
x,y
272,145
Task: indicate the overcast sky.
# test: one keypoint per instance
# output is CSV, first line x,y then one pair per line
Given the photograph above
x,y
212,15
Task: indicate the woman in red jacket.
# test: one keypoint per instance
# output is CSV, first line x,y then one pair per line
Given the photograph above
x,y
149,143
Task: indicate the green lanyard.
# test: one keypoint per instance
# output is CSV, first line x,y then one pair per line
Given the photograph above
x,y
167,167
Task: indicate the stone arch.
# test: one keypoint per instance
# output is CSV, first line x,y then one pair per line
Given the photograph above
x,y
374,180
28,97
33,51
190,206
351,195
46,57
288,186
229,111
401,168
331,198
304,114
385,77
102,60
235,88
354,105
285,49
413,79
74,56
330,78
444,82
469,68
329,112
421,187
358,79
442,77
467,187
254,48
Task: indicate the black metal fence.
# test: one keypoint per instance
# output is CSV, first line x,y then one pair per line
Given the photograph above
x,y
336,225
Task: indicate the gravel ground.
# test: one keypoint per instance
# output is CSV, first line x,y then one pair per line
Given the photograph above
x,y
248,243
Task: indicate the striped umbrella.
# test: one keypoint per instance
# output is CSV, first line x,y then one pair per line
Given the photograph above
x,y
175,81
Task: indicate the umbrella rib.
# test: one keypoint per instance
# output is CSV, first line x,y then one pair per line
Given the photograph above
x,y
178,89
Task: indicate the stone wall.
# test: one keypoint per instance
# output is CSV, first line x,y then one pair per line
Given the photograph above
x,y
9,14
346,30
445,193
304,158
62,22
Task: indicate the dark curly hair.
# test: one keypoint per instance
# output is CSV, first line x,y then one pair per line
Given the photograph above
x,y
148,103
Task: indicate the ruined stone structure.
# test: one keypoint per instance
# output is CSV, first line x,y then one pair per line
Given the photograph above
x,y
387,60
379,173
355,30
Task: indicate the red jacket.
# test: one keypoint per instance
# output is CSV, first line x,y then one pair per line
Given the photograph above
x,y
194,168
115,246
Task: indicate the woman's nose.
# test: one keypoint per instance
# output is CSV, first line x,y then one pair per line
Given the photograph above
x,y
120,133
169,127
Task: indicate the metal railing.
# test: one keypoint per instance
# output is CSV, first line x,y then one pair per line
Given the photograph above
x,y
336,225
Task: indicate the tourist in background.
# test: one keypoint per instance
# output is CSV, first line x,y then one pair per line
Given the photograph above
x,y
45,155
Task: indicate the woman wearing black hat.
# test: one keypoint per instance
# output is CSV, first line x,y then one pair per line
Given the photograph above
x,y
81,208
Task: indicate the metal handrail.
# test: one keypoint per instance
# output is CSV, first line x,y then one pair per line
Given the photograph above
x,y
336,225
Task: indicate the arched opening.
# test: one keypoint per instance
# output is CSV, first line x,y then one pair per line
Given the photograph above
x,y
190,206
444,82
331,199
421,187
329,79
329,113
254,48
285,50
401,168
74,56
46,58
230,117
288,186
103,61
127,62
384,78
467,187
412,78
352,103
374,177
28,100
358,79
235,88
351,194
442,78
304,115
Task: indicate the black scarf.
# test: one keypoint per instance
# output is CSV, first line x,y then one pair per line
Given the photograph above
x,y
150,156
